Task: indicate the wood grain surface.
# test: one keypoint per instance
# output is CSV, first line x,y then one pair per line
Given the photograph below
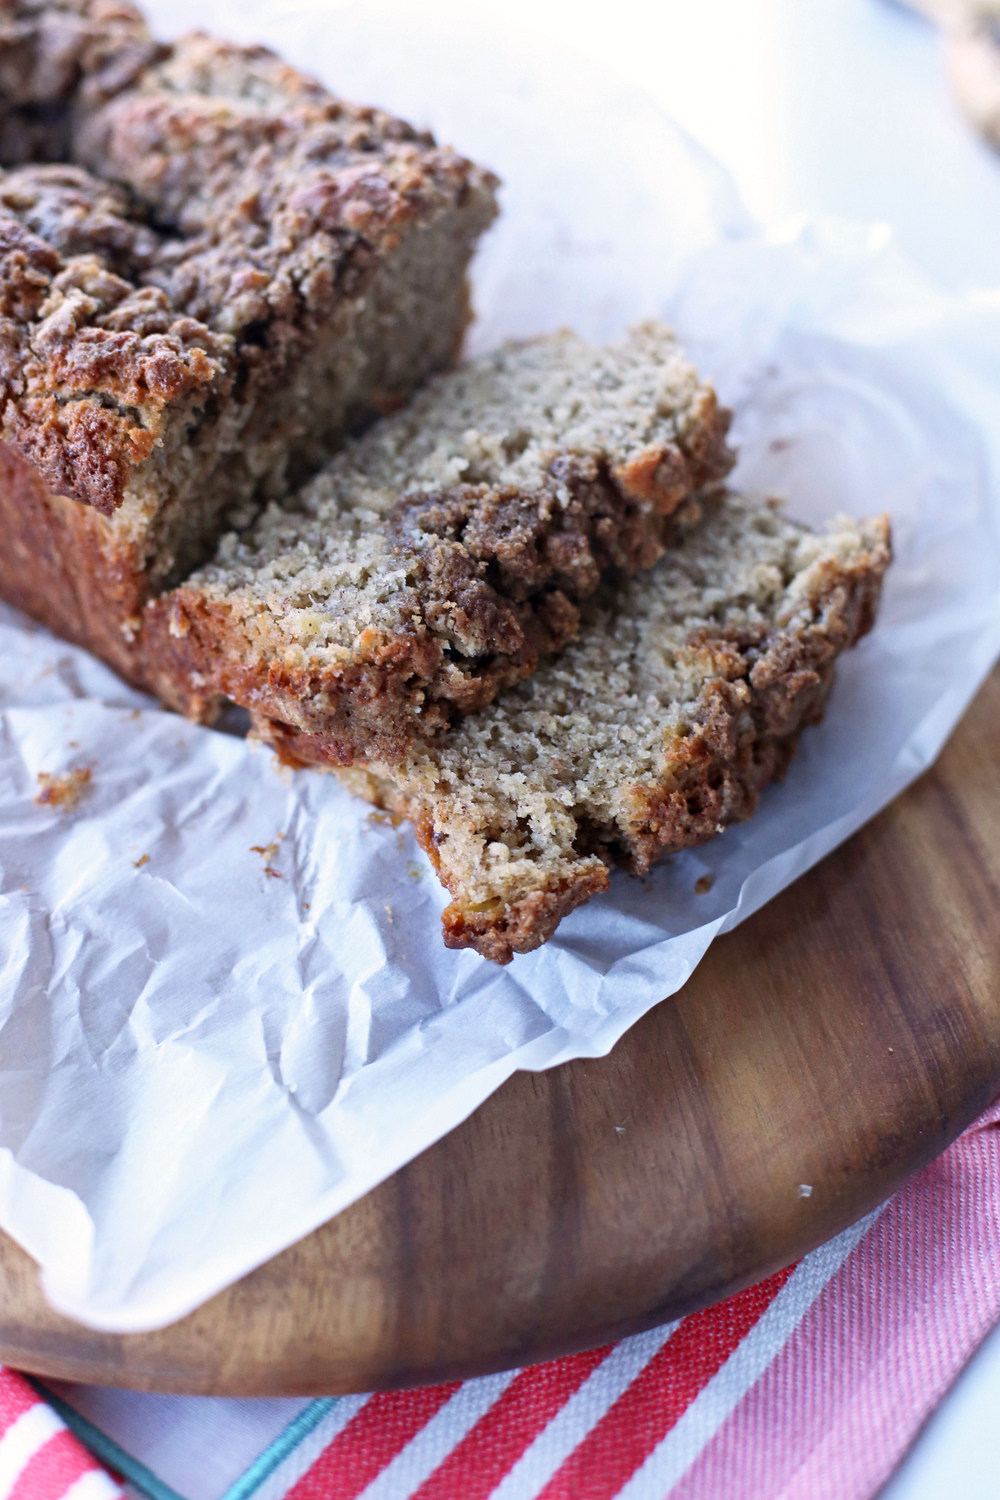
x,y
841,1038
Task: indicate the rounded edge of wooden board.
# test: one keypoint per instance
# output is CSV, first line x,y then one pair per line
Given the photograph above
x,y
840,1038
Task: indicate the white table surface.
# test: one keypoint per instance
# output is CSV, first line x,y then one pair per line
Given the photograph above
x,y
827,106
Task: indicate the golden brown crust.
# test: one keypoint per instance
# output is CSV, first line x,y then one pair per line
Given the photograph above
x,y
519,926
496,930
61,564
83,399
750,716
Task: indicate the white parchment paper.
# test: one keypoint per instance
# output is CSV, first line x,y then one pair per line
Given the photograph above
x,y
225,1009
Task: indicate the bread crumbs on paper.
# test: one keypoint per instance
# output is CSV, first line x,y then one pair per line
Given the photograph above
x,y
63,791
268,853
704,884
142,860
379,818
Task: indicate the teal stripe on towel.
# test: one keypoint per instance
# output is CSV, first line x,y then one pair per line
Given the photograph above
x,y
106,1449
285,1443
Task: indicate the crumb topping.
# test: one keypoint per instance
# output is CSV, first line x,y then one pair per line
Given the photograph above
x,y
171,218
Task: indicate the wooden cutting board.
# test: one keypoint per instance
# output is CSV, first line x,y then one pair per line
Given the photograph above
x,y
840,1038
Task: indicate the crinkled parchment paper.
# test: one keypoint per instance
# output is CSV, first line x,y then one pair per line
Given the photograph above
x,y
225,1009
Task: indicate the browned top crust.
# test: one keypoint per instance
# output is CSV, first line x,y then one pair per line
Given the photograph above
x,y
188,214
48,50
88,361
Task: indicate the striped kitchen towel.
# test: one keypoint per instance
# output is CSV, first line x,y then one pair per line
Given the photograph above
x,y
39,1457
811,1384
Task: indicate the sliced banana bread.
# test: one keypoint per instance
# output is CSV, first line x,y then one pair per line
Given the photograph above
x,y
210,271
681,698
442,553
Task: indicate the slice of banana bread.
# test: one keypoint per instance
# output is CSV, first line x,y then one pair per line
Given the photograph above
x,y
441,554
681,698
211,270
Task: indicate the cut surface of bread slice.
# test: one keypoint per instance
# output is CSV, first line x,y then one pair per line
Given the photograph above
x,y
682,697
446,550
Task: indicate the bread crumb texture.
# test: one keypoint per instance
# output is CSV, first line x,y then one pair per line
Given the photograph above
x,y
682,697
445,551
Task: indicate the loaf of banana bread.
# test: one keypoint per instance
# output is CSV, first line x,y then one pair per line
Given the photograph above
x,y
211,270
684,694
